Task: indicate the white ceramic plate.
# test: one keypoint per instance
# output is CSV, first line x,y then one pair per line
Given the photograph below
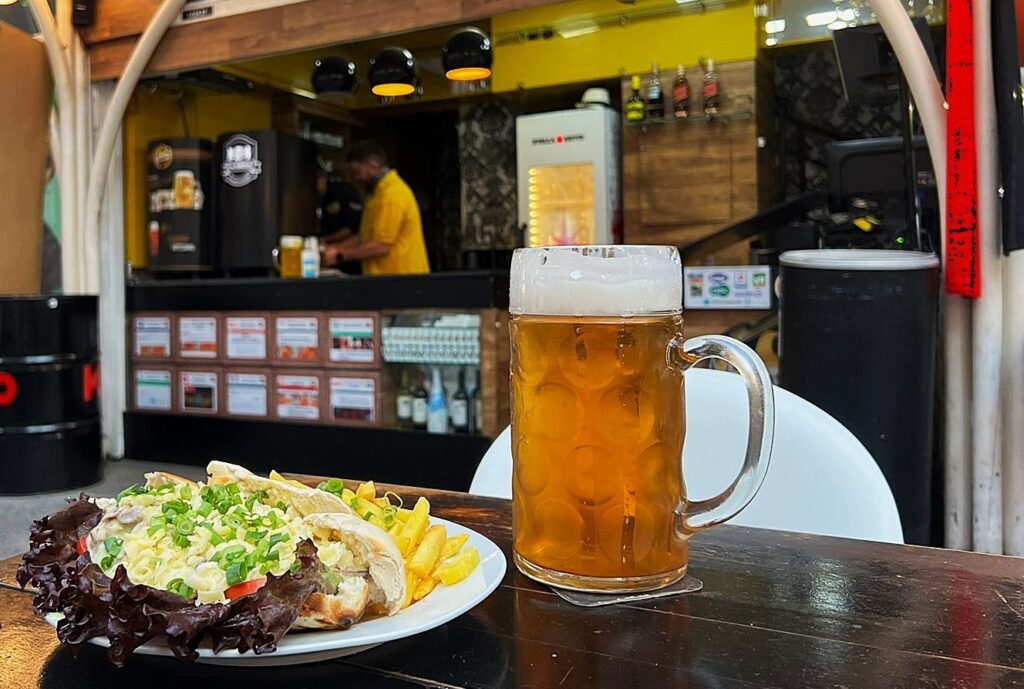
x,y
443,604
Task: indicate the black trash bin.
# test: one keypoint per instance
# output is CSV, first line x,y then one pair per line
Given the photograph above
x,y
858,333
49,394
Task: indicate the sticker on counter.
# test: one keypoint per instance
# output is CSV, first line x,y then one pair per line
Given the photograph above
x,y
199,391
153,390
298,397
246,337
197,337
727,287
353,399
297,339
153,336
351,340
246,394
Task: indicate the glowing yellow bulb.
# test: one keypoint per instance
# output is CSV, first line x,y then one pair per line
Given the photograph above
x,y
468,73
392,90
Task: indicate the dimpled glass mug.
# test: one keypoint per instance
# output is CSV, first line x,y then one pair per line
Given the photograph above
x,y
598,418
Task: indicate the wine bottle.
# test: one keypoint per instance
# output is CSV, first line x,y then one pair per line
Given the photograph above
x,y
437,405
460,406
403,402
419,406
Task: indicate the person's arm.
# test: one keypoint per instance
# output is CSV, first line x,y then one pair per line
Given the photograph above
x,y
363,251
339,236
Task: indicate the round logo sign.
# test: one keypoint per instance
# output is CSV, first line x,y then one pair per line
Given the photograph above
x,y
163,156
240,163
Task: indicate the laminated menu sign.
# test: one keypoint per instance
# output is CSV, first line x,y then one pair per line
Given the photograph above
x,y
297,339
353,399
198,391
351,340
246,337
153,390
246,394
153,337
298,397
727,287
197,337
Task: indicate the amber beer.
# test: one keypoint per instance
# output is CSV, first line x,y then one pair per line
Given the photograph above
x,y
599,423
598,418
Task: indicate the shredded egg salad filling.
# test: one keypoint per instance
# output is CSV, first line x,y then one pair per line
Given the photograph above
x,y
202,542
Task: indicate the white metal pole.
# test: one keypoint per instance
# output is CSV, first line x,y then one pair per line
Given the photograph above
x,y
89,255
988,309
1013,404
62,78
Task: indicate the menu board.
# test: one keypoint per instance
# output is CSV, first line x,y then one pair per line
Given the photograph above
x,y
199,391
298,397
297,339
152,337
351,340
197,337
245,337
153,390
353,399
246,394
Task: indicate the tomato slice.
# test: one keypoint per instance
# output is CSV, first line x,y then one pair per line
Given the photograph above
x,y
82,547
245,588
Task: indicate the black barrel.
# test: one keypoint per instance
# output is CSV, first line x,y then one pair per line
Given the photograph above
x,y
858,331
49,394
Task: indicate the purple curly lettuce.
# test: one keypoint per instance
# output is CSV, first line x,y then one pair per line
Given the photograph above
x,y
130,615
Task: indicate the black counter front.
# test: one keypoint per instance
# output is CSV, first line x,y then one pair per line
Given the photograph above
x,y
328,445
463,290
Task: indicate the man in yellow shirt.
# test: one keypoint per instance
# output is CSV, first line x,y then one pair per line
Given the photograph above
x,y
390,239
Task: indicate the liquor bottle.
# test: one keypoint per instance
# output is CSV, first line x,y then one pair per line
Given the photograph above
x,y
419,406
655,97
437,406
636,109
711,90
403,402
478,405
681,95
460,406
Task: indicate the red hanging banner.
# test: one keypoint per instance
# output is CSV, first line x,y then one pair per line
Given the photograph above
x,y
963,256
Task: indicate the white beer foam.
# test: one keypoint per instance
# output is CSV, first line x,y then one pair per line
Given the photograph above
x,y
621,280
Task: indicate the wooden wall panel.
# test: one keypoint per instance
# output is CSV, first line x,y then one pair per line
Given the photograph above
x,y
682,181
311,24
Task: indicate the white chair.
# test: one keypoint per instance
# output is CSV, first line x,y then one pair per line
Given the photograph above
x,y
821,480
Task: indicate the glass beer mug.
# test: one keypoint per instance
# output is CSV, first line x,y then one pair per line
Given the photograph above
x,y
598,418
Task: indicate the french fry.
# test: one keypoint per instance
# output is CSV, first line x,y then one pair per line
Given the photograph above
x,y
367,490
403,514
423,588
410,586
378,522
402,542
453,545
416,525
459,567
365,507
428,551
347,495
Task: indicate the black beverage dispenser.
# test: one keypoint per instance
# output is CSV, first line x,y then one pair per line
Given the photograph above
x,y
180,228
267,188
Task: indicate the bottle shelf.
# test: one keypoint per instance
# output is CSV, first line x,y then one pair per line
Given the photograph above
x,y
694,118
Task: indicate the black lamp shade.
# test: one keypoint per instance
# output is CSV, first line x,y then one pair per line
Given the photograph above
x,y
334,75
467,55
393,72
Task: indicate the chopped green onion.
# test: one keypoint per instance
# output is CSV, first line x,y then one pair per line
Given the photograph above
x,y
230,554
262,548
106,562
184,525
398,498
232,489
164,489
185,492
366,517
250,560
272,556
334,486
216,538
158,520
236,573
232,520
134,489
205,509
182,541
354,502
153,529
179,587
278,538
265,568
253,536
174,506
281,506
113,545
295,567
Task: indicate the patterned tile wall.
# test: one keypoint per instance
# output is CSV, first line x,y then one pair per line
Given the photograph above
x,y
487,160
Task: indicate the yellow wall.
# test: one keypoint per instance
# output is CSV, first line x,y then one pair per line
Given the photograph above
x,y
159,116
725,34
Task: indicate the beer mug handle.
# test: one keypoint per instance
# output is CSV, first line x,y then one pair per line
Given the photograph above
x,y
683,355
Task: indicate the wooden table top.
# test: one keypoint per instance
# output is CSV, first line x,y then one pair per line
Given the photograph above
x,y
778,609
